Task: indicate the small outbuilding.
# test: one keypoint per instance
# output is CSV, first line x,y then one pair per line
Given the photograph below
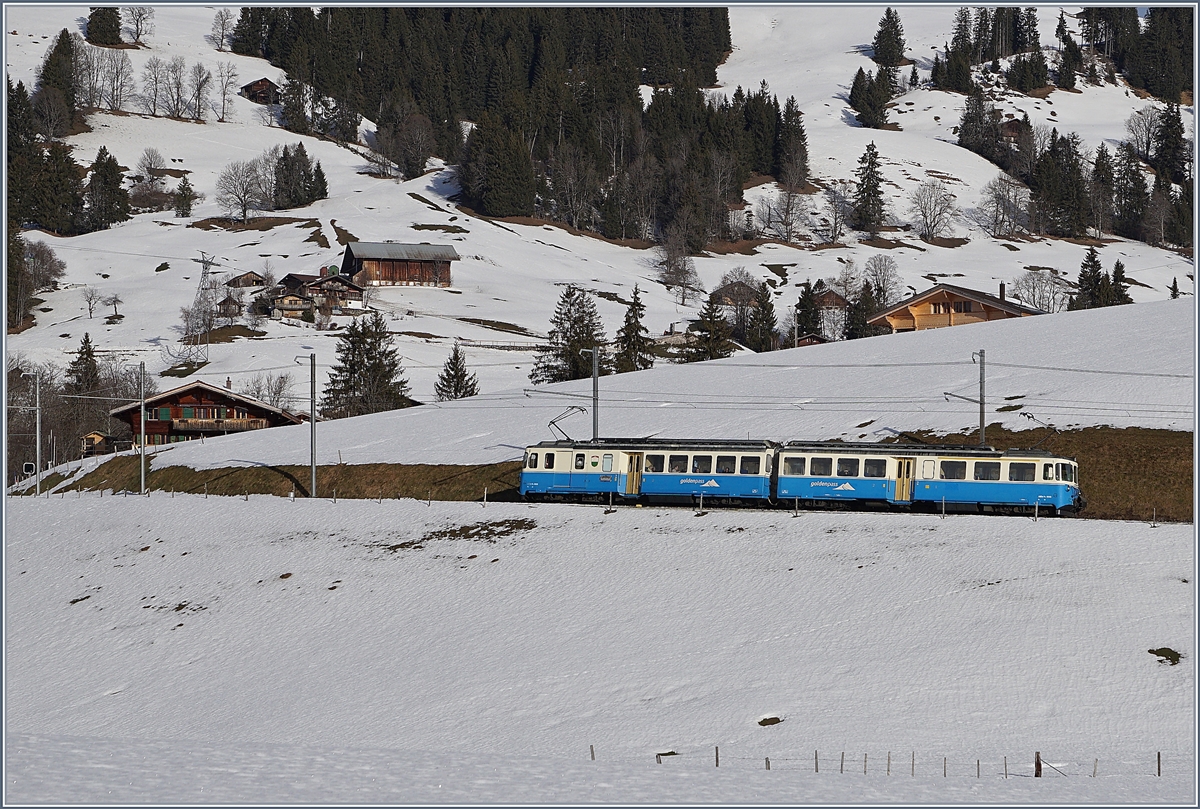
x,y
391,264
246,280
261,91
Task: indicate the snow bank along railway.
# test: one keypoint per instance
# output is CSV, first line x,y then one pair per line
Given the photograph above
x,y
810,474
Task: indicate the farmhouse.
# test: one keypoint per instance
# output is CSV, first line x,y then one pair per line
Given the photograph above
x,y
246,280
230,308
391,264
331,291
261,91
291,304
198,409
948,305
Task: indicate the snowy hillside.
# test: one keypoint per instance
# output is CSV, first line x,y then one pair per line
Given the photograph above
x,y
268,651
512,274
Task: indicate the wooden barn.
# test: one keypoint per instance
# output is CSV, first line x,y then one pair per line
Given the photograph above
x,y
200,409
261,91
948,305
246,280
391,264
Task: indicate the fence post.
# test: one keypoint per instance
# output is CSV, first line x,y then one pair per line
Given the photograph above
x,y
768,763
1006,766
889,769
1095,764
914,764
592,748
842,766
1037,765
864,763
976,768
658,757
1160,764
717,754
943,766
816,762
485,496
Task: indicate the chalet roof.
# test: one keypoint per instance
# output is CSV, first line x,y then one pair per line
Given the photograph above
x,y
298,279
735,289
259,81
230,299
830,299
402,252
245,275
209,388
1006,305
812,335
341,279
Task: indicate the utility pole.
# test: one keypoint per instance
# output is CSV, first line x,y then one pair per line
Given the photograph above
x,y
595,352
980,401
37,404
312,422
142,426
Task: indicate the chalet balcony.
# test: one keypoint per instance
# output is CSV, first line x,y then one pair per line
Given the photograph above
x,y
218,425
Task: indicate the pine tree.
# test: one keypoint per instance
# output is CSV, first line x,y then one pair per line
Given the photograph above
x,y
105,198
1168,152
57,76
913,78
104,26
23,155
1130,196
184,197
320,188
455,381
978,129
1120,286
83,372
632,343
808,313
712,333
574,327
1101,190
1090,284
868,195
889,40
760,334
1174,288
368,376
16,276
58,194
861,309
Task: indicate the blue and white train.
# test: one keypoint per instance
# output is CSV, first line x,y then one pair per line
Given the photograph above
x,y
804,473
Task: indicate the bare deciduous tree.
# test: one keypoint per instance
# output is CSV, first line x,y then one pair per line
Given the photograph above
x,y
227,77
1042,289
222,27
274,389
884,275
91,297
848,282
154,84
1141,127
140,22
199,86
676,269
150,167
50,113
114,300
87,68
838,205
933,206
1003,207
175,99
119,84
238,189
45,268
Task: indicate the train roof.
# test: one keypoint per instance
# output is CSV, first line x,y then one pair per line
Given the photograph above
x,y
760,445
871,448
664,443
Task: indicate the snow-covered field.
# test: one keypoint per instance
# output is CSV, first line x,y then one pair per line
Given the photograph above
x,y
187,650
269,651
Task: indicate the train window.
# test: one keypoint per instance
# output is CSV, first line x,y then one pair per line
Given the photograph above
x,y
987,470
1022,471
677,463
654,463
874,468
751,464
792,466
1048,471
606,466
1062,471
702,464
549,460
847,467
533,459
821,467
579,460
954,470
927,470
726,464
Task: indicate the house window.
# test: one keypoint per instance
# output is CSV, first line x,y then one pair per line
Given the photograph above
x,y
962,306
164,414
941,308
189,412
874,468
793,466
1021,471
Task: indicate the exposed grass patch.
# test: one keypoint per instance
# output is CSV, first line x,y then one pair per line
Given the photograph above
x,y
939,241
423,335
258,223
111,320
499,325
183,369
1009,408
344,237
317,237
422,199
225,334
1166,655
442,228
611,296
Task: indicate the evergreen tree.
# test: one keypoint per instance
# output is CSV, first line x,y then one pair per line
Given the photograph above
x,y
56,78
868,195
1070,62
937,74
184,197
23,155
1174,288
1120,286
106,199
632,344
978,130
16,276
574,327
1130,196
913,78
83,372
104,26
889,40
808,313
58,194
862,308
320,188
1169,147
1090,285
760,335
368,376
858,90
497,175
712,332
791,149
455,381
1101,190
1058,189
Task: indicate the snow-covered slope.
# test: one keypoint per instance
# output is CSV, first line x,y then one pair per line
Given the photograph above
x,y
488,659
513,274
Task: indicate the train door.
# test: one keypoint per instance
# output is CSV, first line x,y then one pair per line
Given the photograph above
x,y
904,480
633,475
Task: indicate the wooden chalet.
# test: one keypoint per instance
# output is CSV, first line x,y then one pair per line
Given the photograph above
x,y
246,280
198,409
229,308
261,91
390,264
811,339
291,304
948,305
98,443
327,289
